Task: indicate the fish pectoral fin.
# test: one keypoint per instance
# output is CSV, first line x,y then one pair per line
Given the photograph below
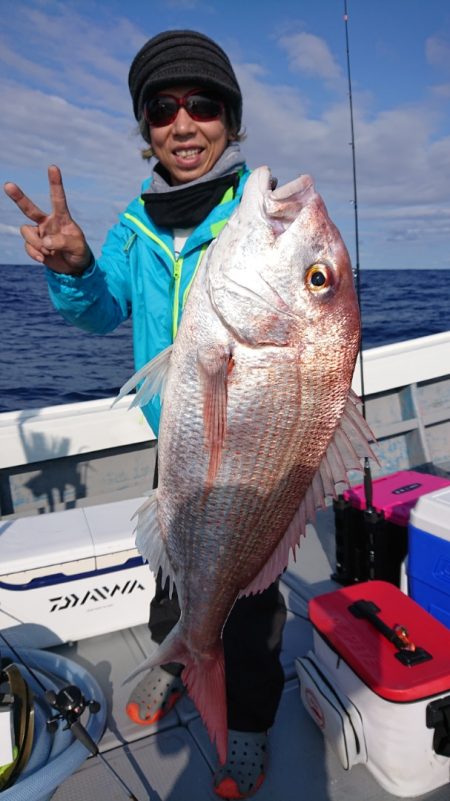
x,y
149,541
152,377
215,364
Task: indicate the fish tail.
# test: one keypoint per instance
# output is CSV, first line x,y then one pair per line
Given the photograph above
x,y
205,683
204,679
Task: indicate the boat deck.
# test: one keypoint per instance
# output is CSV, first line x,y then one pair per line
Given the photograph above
x,y
174,760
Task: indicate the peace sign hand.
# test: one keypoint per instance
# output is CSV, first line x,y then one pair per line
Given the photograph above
x,y
55,239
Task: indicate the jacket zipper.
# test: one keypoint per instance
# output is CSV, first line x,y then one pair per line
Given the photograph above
x,y
188,288
177,268
177,265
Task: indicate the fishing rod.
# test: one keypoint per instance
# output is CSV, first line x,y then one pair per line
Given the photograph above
x,y
368,486
70,704
356,544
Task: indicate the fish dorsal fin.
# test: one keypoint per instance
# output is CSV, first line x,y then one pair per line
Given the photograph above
x,y
215,364
350,443
152,377
149,542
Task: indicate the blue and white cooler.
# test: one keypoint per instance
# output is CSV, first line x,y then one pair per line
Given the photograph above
x,y
377,683
73,574
429,554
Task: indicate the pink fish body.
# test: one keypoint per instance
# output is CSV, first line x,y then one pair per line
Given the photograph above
x,y
258,421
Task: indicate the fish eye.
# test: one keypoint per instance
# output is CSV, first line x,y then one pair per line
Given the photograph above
x,y
318,278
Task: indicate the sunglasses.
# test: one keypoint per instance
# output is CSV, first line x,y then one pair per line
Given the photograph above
x,y
163,109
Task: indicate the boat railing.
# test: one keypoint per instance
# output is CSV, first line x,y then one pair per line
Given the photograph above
x,y
74,454
80,453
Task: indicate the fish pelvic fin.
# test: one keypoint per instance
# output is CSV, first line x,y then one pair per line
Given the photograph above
x,y
350,444
204,679
152,378
172,649
215,365
149,541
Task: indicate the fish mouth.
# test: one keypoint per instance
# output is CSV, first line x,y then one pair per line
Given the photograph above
x,y
283,204
300,188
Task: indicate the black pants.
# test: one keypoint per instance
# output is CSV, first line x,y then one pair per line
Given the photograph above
x,y
252,642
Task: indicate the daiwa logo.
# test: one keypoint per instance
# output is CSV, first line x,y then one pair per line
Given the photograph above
x,y
406,488
104,593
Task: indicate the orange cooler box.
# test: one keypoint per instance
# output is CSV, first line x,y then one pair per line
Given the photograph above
x,y
378,685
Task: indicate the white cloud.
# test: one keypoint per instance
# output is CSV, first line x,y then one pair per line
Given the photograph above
x,y
403,166
9,230
93,74
437,52
99,155
441,91
310,54
76,112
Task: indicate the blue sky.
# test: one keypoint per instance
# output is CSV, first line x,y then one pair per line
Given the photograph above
x,y
64,99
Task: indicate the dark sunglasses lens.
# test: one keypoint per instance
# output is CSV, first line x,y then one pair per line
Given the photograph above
x,y
161,110
201,107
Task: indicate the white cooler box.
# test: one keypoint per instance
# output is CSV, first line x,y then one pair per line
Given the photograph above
x,y
378,685
69,575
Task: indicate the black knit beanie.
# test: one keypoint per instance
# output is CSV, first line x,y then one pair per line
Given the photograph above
x,y
184,57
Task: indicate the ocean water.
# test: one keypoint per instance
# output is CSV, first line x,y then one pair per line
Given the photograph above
x,y
44,361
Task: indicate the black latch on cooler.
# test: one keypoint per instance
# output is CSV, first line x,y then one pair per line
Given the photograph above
x,y
438,718
408,654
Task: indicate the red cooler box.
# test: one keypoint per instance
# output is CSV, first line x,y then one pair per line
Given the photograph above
x,y
374,545
378,685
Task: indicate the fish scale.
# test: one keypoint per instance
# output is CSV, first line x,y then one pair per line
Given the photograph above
x,y
253,433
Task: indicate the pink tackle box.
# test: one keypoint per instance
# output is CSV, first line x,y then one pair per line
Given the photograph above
x,y
374,545
377,683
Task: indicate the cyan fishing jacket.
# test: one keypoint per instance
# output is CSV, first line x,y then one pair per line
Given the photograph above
x,y
138,275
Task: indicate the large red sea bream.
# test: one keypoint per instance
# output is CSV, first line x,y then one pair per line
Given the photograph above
x,y
258,424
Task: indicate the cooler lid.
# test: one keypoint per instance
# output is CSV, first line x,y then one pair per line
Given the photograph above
x,y
397,494
111,525
371,655
31,543
432,514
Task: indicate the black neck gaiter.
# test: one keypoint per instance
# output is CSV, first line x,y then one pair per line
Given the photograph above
x,y
188,207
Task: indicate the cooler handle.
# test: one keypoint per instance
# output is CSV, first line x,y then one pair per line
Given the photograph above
x,y
438,718
408,653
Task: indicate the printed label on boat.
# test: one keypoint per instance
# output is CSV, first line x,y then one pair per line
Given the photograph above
x,y
406,488
103,593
